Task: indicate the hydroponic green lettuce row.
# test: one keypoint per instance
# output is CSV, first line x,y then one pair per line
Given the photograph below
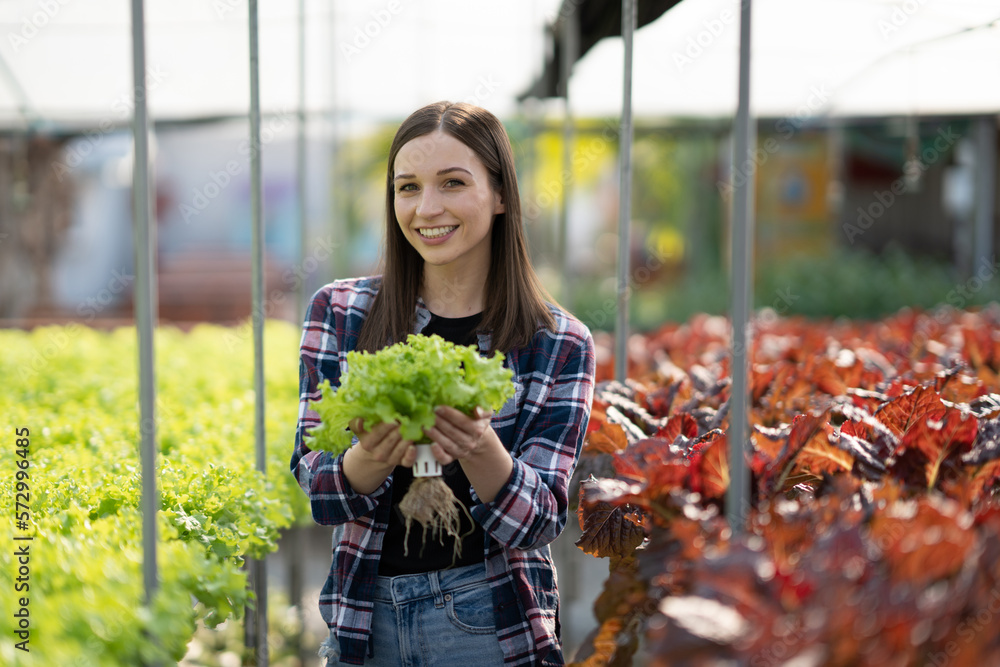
x,y
75,389
404,383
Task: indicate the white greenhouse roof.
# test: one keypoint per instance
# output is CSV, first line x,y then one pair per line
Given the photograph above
x,y
64,62
809,57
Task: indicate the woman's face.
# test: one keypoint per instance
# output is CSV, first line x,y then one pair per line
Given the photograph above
x,y
444,202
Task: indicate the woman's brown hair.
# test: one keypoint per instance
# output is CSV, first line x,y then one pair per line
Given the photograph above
x,y
515,302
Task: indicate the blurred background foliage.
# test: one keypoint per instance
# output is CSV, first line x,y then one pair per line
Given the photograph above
x,y
857,284
814,243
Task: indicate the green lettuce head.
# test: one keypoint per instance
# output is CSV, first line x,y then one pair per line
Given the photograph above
x,y
404,383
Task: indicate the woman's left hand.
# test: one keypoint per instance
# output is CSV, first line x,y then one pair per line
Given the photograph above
x,y
458,436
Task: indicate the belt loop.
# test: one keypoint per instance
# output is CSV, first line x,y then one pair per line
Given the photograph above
x,y
436,588
385,583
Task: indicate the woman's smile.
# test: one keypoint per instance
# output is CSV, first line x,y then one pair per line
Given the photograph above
x,y
436,232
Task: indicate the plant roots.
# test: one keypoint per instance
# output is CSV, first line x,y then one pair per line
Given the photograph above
x,y
430,502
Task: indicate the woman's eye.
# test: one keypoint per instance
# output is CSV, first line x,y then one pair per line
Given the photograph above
x,y
407,187
454,182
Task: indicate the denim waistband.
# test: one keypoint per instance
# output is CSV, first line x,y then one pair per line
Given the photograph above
x,y
408,587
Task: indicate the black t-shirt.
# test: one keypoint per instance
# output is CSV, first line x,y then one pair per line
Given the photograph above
x,y
430,554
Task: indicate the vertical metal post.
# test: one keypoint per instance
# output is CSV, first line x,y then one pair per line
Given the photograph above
x,y
337,214
300,160
146,304
255,625
741,288
986,179
296,533
570,29
145,300
625,197
32,120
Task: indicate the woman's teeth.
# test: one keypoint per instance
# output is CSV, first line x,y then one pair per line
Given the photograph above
x,y
435,232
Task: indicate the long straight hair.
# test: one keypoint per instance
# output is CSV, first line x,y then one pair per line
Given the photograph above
x,y
515,301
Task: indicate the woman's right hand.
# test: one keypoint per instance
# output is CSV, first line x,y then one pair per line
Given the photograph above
x,y
384,444
378,451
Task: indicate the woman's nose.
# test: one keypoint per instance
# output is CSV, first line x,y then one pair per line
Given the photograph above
x,y
429,204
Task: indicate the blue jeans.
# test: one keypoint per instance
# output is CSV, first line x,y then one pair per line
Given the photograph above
x,y
433,619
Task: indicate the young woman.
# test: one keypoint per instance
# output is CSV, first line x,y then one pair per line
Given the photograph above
x,y
455,264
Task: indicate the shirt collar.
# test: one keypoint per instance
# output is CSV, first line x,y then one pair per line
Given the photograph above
x,y
424,318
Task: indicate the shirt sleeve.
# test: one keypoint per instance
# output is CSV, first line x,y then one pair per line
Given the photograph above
x,y
530,510
320,473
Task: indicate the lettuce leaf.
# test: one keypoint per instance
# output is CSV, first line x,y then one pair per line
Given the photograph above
x,y
404,383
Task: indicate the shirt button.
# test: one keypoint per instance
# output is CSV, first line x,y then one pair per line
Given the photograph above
x,y
447,597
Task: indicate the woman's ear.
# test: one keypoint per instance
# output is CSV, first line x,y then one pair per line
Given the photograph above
x,y
498,206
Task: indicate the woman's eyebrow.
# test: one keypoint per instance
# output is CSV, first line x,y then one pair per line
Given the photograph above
x,y
440,173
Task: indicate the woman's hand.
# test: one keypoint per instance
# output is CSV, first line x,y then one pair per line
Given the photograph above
x,y
456,436
472,442
384,444
378,451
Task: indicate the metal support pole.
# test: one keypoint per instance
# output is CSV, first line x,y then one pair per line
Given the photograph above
x,y
145,301
986,181
625,197
296,533
741,289
255,625
300,162
337,214
570,29
32,121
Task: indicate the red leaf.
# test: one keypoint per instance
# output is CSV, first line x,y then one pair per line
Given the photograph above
x,y
938,442
828,380
925,540
987,445
760,381
610,528
594,491
819,456
804,428
660,472
642,456
866,400
662,480
767,446
956,386
900,414
610,531
620,610
659,401
711,465
680,424
608,438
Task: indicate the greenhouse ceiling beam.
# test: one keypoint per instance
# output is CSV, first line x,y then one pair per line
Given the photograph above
x,y
625,196
595,19
741,288
145,300
255,625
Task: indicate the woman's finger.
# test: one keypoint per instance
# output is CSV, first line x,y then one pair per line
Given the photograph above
x,y
409,455
476,424
442,455
447,429
399,452
380,440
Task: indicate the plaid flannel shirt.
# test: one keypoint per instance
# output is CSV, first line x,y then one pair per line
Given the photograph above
x,y
542,426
